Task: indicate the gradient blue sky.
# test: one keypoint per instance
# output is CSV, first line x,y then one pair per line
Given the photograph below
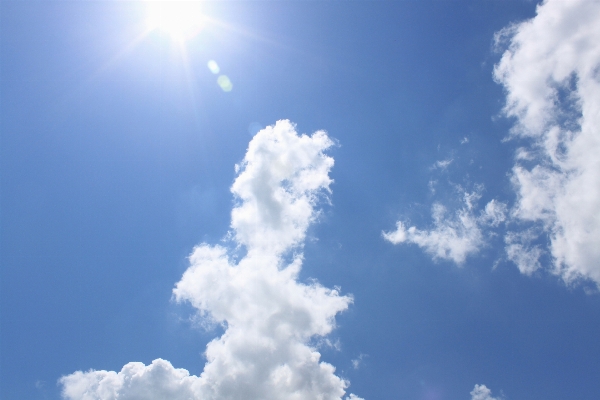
x,y
118,155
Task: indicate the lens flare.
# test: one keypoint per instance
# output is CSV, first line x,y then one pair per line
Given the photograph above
x,y
225,83
213,66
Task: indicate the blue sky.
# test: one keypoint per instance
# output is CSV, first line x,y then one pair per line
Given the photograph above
x,y
446,221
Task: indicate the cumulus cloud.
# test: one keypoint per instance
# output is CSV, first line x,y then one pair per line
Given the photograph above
x,y
481,392
158,380
550,70
551,74
270,318
456,235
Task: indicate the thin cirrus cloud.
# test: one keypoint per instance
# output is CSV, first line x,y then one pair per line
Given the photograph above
x,y
551,73
269,317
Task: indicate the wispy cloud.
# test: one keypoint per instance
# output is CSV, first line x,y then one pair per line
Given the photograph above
x,y
521,251
455,235
269,317
442,164
357,362
551,73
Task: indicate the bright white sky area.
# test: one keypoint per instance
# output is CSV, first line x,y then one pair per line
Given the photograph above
x,y
300,200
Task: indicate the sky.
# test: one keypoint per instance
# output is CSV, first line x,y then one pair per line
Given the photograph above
x,y
300,200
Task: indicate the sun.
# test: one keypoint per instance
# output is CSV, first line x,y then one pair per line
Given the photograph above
x,y
180,19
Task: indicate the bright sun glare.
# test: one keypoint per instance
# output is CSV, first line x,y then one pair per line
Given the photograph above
x,y
180,19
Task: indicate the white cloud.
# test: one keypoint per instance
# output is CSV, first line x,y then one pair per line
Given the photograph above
x,y
494,213
158,380
481,392
454,236
357,362
520,251
442,164
354,397
551,73
269,317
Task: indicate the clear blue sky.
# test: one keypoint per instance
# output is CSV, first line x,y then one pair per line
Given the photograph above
x,y
118,153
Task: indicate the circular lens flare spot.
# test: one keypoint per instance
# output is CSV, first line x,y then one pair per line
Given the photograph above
x,y
213,66
225,83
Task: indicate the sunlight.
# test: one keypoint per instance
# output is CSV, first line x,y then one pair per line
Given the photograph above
x,y
180,19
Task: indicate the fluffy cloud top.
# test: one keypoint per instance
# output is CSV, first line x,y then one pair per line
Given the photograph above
x,y
269,317
454,236
551,73
481,392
